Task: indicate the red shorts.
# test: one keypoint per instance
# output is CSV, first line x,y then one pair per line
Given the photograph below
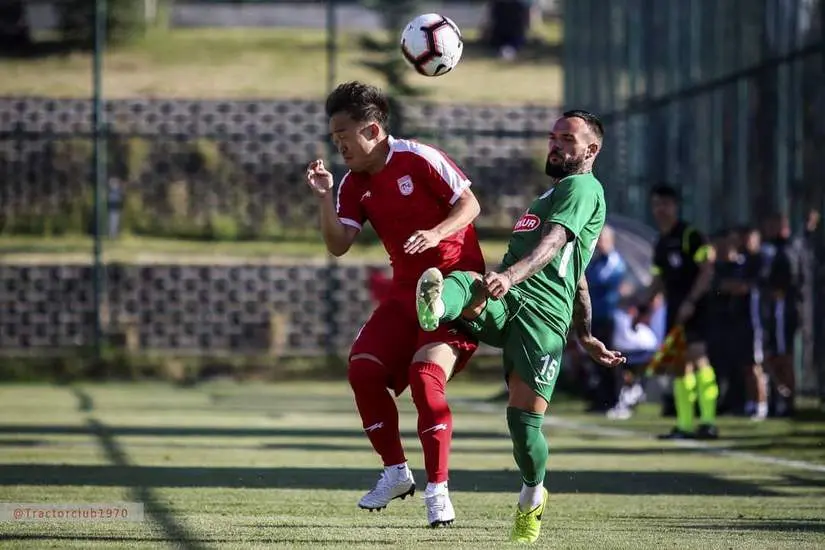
x,y
392,335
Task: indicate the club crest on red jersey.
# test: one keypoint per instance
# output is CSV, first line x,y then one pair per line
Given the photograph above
x,y
527,222
405,185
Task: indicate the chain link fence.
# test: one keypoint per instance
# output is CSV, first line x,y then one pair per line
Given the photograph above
x,y
724,99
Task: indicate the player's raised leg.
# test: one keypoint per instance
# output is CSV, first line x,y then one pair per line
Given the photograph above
x,y
432,366
441,299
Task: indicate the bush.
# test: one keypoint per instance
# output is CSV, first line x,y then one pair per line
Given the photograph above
x,y
124,20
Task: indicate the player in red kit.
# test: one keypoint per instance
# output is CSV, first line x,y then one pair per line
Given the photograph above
x,y
422,209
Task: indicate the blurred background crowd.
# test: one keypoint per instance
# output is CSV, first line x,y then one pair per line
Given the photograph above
x,y
760,328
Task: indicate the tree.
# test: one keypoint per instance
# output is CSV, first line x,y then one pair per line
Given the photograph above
x,y
124,18
385,51
14,29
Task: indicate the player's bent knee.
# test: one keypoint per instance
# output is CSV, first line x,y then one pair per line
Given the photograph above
x,y
443,355
524,397
478,300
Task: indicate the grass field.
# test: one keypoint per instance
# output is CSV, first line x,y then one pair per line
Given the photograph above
x,y
76,249
251,466
274,63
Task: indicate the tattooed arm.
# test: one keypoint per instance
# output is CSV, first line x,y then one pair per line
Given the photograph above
x,y
582,311
582,321
554,239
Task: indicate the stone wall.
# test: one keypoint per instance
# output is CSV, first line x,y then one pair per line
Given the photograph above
x,y
191,165
245,308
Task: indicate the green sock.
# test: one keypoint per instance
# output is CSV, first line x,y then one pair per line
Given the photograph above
x,y
683,399
456,294
529,445
708,392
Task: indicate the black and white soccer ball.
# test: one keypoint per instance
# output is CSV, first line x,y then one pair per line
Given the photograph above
x,y
432,44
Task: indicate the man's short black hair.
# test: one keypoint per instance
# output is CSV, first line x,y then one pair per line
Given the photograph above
x,y
590,119
362,102
665,191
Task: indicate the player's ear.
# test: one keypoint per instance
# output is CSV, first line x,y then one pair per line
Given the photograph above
x,y
593,149
372,131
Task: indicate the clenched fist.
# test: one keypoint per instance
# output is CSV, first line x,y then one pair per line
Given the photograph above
x,y
319,179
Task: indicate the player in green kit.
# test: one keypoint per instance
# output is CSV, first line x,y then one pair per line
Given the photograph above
x,y
526,307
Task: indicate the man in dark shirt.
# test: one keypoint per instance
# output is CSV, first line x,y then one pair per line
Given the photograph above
x,y
737,282
809,246
683,270
784,301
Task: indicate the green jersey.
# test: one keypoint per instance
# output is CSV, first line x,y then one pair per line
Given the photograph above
x,y
577,203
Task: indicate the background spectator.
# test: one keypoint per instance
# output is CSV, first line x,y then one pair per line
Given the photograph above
x,y
784,295
115,206
509,22
605,276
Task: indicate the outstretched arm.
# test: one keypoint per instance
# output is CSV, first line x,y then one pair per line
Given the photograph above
x,y
582,323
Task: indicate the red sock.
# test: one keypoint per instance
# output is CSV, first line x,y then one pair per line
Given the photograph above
x,y
435,421
379,415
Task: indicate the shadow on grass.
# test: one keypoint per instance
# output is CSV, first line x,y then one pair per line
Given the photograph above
x,y
141,492
85,403
310,446
41,49
774,525
172,431
141,478
820,434
227,543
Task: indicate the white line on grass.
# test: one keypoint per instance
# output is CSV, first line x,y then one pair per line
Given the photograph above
x,y
694,445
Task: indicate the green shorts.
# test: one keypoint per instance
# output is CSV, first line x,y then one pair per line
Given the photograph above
x,y
530,347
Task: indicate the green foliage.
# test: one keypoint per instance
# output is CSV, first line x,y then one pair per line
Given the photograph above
x,y
223,228
385,56
124,20
173,206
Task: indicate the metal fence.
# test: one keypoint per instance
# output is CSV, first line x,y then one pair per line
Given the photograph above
x,y
723,98
232,169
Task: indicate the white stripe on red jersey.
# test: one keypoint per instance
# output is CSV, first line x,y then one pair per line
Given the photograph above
x,y
440,162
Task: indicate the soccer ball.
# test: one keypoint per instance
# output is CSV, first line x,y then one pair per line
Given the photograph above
x,y
432,44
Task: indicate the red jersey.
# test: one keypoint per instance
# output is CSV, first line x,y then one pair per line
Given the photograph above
x,y
415,191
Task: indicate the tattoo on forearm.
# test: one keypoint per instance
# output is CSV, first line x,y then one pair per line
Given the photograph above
x,y
582,311
554,239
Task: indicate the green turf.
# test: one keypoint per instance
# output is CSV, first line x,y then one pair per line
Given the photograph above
x,y
281,466
23,249
276,63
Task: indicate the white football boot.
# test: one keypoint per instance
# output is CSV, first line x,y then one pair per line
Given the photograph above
x,y
394,482
440,510
428,303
